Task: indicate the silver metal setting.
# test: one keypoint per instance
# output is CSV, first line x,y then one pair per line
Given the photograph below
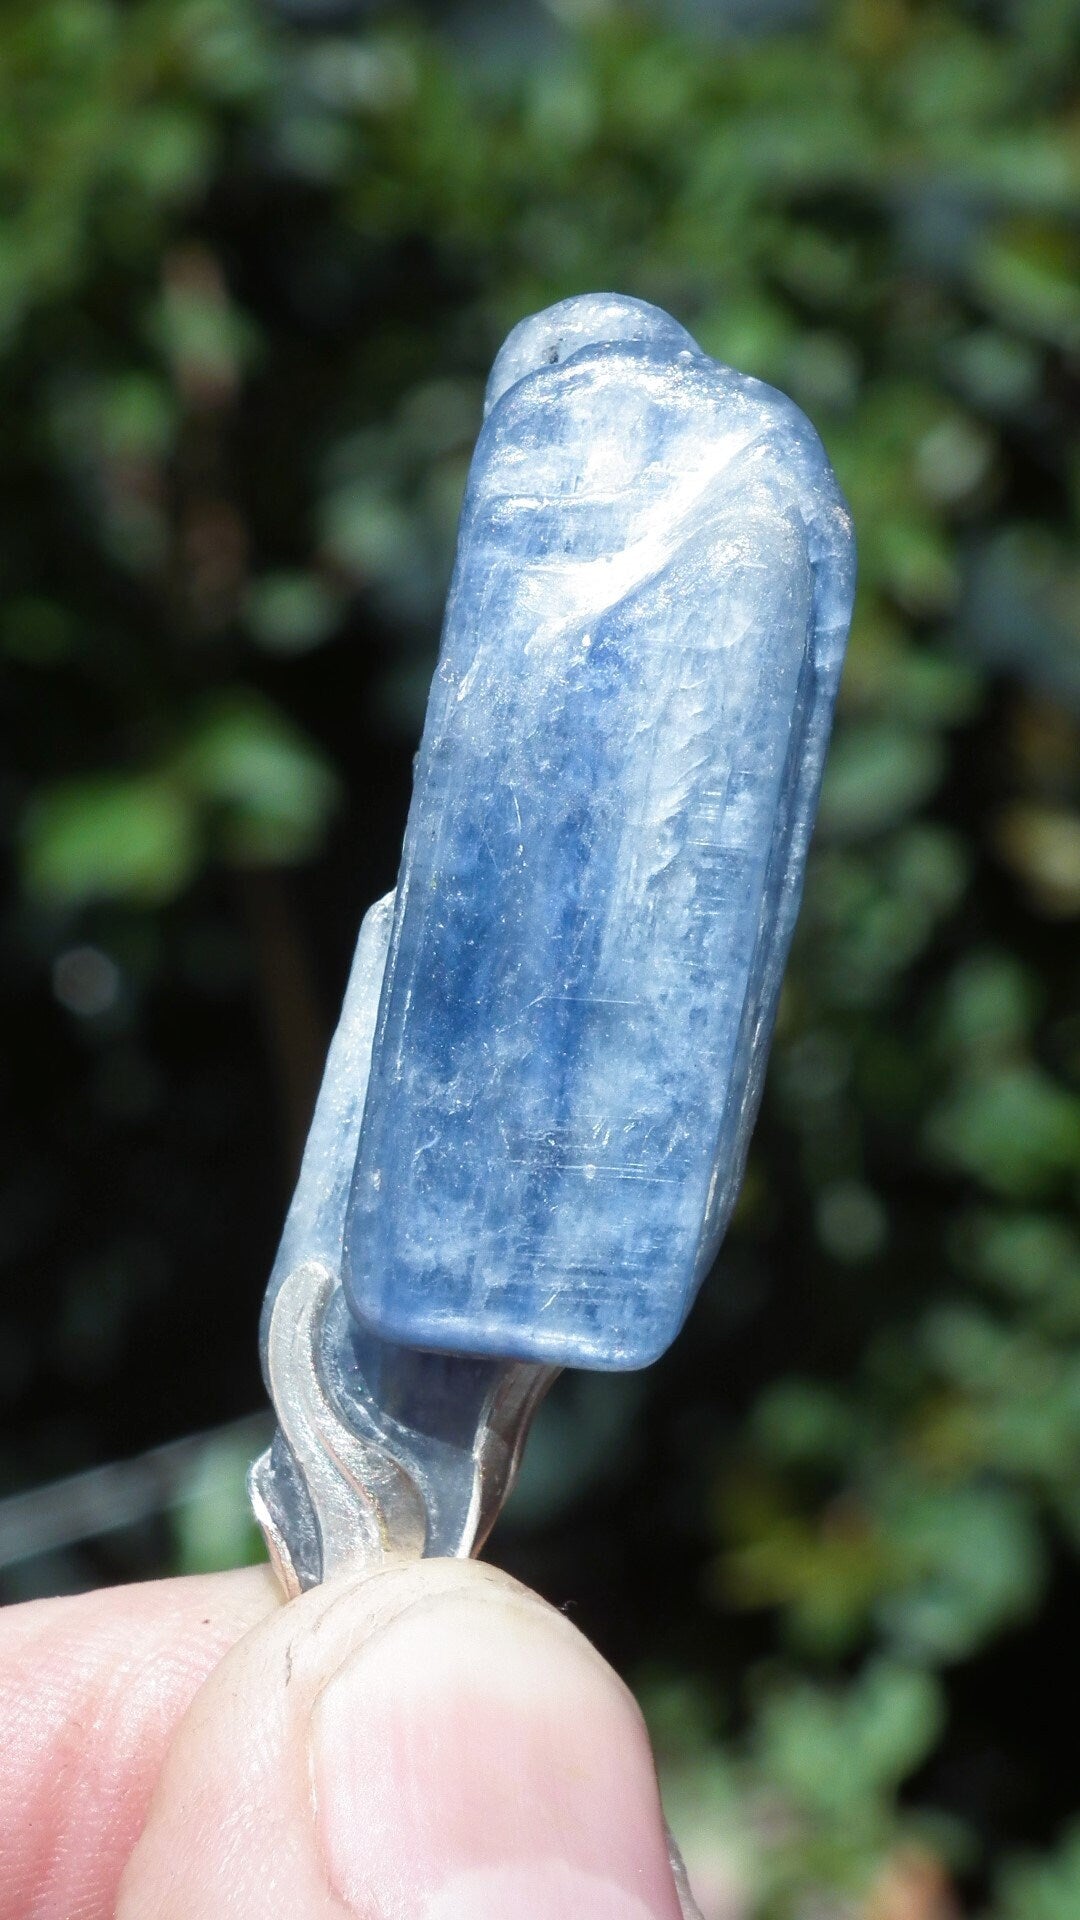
x,y
381,1452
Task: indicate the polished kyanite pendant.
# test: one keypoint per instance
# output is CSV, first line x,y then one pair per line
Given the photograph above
x,y
537,1106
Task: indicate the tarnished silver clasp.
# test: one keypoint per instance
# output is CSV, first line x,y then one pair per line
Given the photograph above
x,y
381,1451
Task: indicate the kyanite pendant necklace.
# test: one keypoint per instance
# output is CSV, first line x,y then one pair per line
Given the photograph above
x,y
536,1108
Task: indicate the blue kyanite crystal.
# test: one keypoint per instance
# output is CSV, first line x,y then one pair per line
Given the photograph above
x,y
605,849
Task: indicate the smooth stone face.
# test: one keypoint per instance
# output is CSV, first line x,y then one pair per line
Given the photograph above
x,y
605,849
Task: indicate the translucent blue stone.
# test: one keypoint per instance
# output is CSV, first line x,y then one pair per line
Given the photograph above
x,y
605,849
315,1224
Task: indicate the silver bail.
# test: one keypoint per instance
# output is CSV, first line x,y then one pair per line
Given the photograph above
x,y
381,1452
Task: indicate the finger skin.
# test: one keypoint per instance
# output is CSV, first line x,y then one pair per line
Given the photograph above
x,y
92,1689
430,1742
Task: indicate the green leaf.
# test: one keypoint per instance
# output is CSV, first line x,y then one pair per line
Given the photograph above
x,y
110,836
1033,1889
834,1750
1014,1129
1032,1257
877,773
975,1565
292,612
1028,272
367,531
214,1528
269,790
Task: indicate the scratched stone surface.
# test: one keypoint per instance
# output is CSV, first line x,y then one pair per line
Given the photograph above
x,y
604,855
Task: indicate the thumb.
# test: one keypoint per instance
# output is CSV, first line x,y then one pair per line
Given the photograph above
x,y
430,1742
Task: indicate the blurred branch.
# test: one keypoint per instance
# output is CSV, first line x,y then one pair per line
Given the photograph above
x,y
296,1038
69,1512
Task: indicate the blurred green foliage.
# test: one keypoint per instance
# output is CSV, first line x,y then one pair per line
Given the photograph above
x,y
251,277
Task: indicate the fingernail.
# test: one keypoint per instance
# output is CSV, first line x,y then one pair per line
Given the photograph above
x,y
475,1760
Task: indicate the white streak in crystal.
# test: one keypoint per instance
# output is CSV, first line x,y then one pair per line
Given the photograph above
x,y
315,1223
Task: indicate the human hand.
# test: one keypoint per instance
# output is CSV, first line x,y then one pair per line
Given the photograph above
x,y
428,1742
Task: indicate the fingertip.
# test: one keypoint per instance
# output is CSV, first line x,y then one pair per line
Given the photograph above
x,y
477,1758
427,1743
